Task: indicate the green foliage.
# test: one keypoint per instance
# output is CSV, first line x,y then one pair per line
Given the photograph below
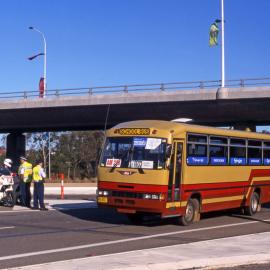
x,y
73,153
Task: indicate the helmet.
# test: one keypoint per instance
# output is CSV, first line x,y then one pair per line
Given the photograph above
x,y
8,162
23,158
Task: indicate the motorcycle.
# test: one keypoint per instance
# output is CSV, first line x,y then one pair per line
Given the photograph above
x,y
6,191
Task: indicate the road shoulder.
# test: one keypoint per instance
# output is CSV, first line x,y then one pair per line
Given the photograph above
x,y
231,251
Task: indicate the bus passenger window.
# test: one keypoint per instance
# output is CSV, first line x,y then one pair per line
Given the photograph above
x,y
197,150
197,154
266,153
254,152
218,155
197,138
238,152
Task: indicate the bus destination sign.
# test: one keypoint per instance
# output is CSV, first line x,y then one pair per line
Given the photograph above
x,y
134,131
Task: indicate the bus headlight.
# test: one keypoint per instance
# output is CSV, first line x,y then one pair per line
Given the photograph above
x,y
103,193
146,196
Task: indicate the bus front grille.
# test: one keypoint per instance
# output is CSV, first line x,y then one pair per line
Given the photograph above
x,y
126,194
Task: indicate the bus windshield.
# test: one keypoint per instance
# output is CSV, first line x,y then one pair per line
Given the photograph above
x,y
134,152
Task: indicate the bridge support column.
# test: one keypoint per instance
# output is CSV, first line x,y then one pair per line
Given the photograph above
x,y
15,148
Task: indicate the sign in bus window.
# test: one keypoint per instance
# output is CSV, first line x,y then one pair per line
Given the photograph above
x,y
254,161
266,161
218,160
111,162
144,164
139,142
152,143
237,161
197,160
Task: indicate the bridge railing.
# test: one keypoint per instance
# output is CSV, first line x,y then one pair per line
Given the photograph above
x,y
136,88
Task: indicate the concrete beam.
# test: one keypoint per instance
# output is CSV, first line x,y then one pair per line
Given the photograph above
x,y
230,106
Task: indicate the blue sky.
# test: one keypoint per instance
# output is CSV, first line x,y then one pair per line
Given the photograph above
x,y
110,42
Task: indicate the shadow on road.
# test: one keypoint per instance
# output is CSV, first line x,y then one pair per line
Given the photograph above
x,y
251,218
267,205
111,216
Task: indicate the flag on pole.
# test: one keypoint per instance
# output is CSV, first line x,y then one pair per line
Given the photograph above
x,y
213,33
35,56
41,87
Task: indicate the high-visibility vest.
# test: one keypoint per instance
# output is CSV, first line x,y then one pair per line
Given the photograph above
x,y
27,174
37,173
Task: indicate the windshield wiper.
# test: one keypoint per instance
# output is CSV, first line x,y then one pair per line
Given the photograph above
x,y
140,170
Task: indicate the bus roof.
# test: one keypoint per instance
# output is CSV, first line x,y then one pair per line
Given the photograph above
x,y
179,128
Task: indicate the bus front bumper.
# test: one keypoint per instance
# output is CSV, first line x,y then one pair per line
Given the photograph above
x,y
131,205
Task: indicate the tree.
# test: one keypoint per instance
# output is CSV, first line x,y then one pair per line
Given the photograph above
x,y
73,153
38,146
76,153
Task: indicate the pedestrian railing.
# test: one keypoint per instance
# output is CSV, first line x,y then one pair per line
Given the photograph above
x,y
136,88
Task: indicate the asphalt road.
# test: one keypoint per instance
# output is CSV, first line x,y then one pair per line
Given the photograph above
x,y
248,267
34,237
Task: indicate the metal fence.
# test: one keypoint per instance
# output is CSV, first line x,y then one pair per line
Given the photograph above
x,y
135,88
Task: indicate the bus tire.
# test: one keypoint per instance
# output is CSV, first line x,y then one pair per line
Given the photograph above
x,y
192,213
254,205
197,210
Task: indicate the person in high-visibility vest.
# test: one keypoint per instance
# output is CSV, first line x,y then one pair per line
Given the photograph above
x,y
25,173
38,179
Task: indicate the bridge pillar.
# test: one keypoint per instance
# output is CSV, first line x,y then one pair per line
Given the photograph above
x,y
15,148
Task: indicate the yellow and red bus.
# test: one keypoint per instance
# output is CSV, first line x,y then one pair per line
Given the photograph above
x,y
181,170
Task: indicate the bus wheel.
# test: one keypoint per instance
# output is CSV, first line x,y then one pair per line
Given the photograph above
x,y
135,218
192,213
254,205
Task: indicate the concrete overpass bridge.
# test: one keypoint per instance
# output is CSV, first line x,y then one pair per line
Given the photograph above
x,y
241,102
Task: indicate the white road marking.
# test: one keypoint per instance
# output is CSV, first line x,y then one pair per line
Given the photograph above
x,y
23,255
4,228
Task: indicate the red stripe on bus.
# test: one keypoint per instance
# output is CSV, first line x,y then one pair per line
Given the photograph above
x,y
215,185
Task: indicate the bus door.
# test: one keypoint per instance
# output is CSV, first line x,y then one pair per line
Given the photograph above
x,y
175,174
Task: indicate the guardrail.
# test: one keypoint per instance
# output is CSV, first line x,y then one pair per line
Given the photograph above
x,y
174,86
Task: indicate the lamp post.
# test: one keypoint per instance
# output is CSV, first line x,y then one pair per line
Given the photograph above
x,y
222,46
45,58
45,86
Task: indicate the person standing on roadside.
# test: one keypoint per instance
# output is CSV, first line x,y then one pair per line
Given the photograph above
x,y
25,173
38,178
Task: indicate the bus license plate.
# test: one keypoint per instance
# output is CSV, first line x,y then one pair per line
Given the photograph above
x,y
102,199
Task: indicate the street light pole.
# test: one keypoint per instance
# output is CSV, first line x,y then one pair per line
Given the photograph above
x,y
222,46
45,58
45,87
49,154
